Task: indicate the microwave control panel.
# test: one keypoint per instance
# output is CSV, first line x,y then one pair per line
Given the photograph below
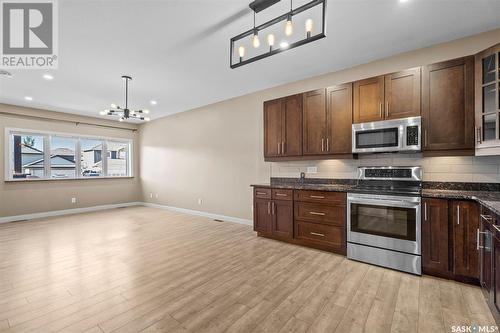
x,y
412,135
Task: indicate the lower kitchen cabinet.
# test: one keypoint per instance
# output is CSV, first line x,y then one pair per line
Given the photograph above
x,y
435,242
309,218
465,227
496,275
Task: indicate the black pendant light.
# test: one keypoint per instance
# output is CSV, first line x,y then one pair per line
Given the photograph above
x,y
125,113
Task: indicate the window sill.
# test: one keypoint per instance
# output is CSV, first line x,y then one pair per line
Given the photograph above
x,y
21,180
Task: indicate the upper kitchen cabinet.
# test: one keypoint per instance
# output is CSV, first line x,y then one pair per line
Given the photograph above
x,y
283,127
369,100
487,99
339,119
391,96
327,121
314,136
402,94
448,107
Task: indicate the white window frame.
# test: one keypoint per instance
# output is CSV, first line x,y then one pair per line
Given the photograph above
x,y
47,135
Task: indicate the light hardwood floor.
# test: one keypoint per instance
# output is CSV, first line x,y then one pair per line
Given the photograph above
x,y
142,269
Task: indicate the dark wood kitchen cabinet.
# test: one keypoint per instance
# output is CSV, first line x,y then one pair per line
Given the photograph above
x,y
274,214
448,107
485,248
435,242
327,121
391,96
496,274
283,127
465,219
315,118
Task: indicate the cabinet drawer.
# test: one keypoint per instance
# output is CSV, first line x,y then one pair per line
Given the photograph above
x,y
280,194
320,233
319,213
321,197
263,193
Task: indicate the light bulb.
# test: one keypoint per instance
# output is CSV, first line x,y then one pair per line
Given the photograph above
x,y
284,45
255,40
309,27
145,111
113,105
147,119
270,39
241,52
289,26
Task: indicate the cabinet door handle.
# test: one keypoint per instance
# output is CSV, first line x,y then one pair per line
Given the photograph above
x,y
272,205
316,196
269,208
387,109
283,147
322,144
425,138
458,215
279,146
316,213
425,211
261,193
380,109
317,234
327,144
281,195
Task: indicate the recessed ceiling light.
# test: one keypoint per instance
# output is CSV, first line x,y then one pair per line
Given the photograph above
x,y
153,102
48,77
28,98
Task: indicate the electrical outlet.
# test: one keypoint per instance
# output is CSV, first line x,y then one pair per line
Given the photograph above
x,y
200,201
312,170
73,200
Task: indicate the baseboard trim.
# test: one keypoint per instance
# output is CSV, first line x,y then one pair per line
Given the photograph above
x,y
200,213
52,213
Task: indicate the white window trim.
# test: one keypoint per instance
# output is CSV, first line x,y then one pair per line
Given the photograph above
x,y
9,161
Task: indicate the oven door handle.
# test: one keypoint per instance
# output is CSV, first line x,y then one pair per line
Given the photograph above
x,y
385,202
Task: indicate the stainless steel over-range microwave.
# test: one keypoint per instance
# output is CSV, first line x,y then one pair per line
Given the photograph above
x,y
387,136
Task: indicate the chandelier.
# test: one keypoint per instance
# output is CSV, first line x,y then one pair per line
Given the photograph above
x,y
294,28
125,113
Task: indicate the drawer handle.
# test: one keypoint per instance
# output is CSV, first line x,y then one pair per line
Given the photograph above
x,y
316,213
317,196
317,234
281,195
261,193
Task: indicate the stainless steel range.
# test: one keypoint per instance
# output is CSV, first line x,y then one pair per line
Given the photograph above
x,y
383,218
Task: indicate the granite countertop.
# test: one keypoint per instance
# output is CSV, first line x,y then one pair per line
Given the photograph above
x,y
487,194
489,199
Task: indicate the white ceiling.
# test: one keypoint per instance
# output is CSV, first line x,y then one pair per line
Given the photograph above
x,y
177,50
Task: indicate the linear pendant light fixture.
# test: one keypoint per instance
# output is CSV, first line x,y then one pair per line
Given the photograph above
x,y
297,27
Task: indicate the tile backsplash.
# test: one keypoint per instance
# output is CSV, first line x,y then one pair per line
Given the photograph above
x,y
452,169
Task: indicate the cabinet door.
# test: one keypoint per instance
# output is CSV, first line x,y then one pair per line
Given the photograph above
x,y
485,253
402,94
448,104
292,126
465,225
262,218
487,97
273,119
435,252
314,123
368,99
282,218
339,119
496,272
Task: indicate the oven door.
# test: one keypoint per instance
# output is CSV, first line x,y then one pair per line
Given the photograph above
x,y
388,222
367,139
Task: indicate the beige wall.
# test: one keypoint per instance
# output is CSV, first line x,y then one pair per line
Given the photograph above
x,y
39,196
215,152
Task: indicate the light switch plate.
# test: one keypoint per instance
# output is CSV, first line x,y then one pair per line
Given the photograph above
x,y
312,169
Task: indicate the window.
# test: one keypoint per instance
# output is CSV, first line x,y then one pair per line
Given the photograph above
x,y
34,155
